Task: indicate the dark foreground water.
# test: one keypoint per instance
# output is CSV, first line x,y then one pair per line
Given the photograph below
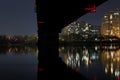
x,y
96,62
18,63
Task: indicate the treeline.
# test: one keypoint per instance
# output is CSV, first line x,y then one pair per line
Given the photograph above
x,y
18,40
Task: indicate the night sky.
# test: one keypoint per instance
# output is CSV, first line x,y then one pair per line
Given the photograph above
x,y
17,17
96,18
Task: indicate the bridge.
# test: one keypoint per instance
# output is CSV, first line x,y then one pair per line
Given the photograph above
x,y
52,16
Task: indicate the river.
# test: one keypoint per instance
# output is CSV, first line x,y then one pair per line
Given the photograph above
x,y
18,63
96,62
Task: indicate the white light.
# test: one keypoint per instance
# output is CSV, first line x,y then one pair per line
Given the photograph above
x,y
110,21
87,28
111,70
105,16
111,17
96,46
77,32
86,24
106,70
116,13
117,73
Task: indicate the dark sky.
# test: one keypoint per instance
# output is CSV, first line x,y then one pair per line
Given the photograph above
x,y
96,18
17,17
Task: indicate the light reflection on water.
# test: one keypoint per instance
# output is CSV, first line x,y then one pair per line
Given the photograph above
x,y
18,50
93,61
18,63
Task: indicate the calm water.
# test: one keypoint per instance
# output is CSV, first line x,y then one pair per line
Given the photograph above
x,y
18,63
93,61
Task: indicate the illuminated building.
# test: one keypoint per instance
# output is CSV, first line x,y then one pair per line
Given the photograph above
x,y
111,24
81,29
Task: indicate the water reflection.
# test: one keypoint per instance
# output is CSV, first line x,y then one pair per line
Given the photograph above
x,y
18,62
94,61
111,61
10,50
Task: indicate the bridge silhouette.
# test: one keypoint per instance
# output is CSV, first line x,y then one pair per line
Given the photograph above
x,y
52,16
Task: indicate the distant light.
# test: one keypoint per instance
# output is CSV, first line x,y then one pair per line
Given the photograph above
x,y
111,16
116,13
117,73
105,16
111,22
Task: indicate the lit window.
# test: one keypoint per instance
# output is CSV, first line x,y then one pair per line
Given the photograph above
x,y
87,28
111,16
86,24
110,21
89,25
116,13
107,21
105,16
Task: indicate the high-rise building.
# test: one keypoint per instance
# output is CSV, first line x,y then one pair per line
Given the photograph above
x,y
111,24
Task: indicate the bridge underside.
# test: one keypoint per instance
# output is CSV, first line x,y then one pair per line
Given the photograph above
x,y
52,16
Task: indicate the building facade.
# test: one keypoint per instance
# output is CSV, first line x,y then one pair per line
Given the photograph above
x,y
111,24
